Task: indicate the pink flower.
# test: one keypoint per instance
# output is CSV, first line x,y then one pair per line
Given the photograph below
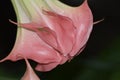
x,y
50,32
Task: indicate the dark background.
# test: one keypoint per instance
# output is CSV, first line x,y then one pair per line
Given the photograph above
x,y
99,61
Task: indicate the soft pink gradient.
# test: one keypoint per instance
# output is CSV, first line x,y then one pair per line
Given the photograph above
x,y
56,40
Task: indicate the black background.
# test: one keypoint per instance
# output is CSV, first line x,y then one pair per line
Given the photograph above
x,y
101,37
105,31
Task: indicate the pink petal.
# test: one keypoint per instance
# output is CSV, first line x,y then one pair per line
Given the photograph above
x,y
65,31
29,74
32,47
55,40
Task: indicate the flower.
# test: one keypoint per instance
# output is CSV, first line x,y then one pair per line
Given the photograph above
x,y
50,32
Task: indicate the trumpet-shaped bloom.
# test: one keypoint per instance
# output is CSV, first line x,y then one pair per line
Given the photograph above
x,y
50,32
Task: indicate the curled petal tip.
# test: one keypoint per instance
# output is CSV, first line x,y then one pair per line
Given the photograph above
x,y
12,57
3,60
96,22
6,58
13,22
29,74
